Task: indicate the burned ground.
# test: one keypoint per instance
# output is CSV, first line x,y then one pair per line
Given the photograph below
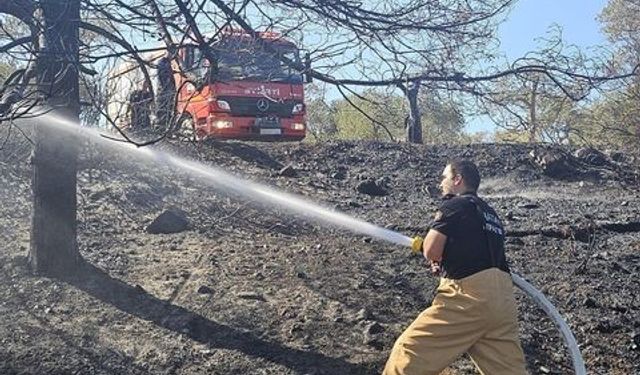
x,y
249,289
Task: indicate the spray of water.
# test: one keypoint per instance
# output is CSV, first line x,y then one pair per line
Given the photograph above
x,y
220,179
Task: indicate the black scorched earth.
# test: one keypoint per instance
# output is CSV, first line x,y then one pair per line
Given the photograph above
x,y
243,288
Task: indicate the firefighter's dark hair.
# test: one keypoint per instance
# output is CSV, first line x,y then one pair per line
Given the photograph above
x,y
469,172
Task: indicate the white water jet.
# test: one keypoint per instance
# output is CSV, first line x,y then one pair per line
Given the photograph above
x,y
223,180
292,203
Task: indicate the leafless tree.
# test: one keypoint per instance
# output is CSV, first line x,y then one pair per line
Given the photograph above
x,y
442,45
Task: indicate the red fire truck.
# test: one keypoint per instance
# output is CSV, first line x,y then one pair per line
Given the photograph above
x,y
240,89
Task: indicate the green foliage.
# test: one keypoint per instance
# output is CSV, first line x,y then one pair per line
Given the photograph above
x,y
621,24
613,121
382,111
320,119
511,136
442,122
529,108
377,115
5,70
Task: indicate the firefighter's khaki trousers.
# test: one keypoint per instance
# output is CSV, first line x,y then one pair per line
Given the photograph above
x,y
477,315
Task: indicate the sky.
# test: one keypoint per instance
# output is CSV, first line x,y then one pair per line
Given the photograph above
x,y
530,20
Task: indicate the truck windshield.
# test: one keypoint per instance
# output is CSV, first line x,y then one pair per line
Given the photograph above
x,y
239,61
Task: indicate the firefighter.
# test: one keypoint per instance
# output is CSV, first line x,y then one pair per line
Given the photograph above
x,y
474,310
139,103
166,90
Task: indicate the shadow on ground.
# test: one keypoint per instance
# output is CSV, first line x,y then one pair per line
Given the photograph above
x,y
137,302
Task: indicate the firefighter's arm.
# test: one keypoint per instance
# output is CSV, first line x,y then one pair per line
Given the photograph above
x,y
433,245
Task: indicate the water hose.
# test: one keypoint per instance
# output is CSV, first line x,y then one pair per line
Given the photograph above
x,y
552,312
300,206
547,307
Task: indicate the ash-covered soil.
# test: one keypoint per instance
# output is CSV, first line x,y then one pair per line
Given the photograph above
x,y
250,289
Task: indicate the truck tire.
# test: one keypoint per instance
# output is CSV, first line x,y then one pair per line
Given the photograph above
x,y
185,128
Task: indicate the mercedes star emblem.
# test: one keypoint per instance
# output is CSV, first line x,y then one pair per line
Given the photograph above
x,y
263,104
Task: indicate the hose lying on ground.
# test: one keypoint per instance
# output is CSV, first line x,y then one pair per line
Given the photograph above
x,y
552,312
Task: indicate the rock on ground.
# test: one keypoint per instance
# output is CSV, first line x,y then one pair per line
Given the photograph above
x,y
247,290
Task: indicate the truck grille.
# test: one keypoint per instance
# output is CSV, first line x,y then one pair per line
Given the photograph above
x,y
259,107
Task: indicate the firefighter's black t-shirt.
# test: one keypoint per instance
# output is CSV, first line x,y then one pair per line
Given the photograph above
x,y
472,229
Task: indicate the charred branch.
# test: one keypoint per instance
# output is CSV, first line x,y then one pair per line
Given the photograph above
x,y
581,233
21,9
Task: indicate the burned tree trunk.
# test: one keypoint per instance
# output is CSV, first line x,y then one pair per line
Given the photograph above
x,y
53,229
533,111
414,124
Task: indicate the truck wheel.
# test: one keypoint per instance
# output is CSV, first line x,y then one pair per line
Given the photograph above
x,y
185,130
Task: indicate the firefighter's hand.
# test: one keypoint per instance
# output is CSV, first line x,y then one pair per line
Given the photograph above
x,y
436,269
416,244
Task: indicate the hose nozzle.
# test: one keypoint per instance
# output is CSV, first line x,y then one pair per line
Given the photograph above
x,y
416,244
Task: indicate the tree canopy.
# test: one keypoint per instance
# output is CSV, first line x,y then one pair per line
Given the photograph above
x,y
445,46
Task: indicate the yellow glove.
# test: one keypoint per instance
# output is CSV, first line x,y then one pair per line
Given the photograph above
x,y
416,244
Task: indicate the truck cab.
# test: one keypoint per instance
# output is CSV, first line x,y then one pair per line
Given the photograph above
x,y
241,90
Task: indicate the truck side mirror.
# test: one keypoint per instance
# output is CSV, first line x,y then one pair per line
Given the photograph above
x,y
307,68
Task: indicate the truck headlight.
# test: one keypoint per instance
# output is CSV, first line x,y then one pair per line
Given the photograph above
x,y
299,107
297,126
222,124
